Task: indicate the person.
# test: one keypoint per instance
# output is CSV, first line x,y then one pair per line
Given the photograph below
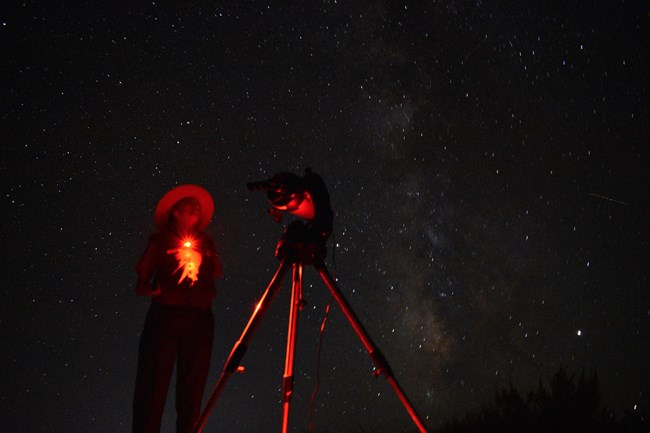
x,y
177,270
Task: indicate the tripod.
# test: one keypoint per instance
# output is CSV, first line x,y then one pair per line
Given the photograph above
x,y
295,250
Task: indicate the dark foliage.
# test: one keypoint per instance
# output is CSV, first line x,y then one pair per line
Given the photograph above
x,y
566,405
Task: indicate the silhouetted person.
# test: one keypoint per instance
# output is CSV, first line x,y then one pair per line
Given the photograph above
x,y
177,270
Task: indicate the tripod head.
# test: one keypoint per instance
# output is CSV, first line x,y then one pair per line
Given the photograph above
x,y
307,198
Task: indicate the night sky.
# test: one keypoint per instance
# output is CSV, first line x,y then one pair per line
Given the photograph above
x,y
488,164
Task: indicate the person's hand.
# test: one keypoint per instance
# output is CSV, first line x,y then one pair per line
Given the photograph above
x,y
155,292
145,288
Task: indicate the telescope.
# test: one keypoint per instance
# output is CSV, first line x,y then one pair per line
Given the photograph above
x,y
307,198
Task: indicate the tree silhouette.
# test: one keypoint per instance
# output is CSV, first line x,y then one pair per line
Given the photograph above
x,y
566,406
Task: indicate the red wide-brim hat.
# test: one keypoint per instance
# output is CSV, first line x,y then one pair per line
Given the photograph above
x,y
172,197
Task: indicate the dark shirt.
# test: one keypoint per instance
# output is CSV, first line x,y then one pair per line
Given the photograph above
x,y
160,264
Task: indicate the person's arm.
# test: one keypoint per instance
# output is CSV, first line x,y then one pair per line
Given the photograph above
x,y
146,269
210,253
218,270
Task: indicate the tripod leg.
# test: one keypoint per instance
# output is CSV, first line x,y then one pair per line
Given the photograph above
x,y
377,357
238,351
287,384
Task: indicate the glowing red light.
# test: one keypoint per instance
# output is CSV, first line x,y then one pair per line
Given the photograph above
x,y
189,259
304,208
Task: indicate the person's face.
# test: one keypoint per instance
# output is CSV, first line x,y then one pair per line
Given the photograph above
x,y
187,213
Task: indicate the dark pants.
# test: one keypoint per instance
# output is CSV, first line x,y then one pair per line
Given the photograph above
x,y
172,334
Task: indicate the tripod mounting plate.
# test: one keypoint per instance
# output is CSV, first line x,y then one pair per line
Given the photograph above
x,y
300,244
